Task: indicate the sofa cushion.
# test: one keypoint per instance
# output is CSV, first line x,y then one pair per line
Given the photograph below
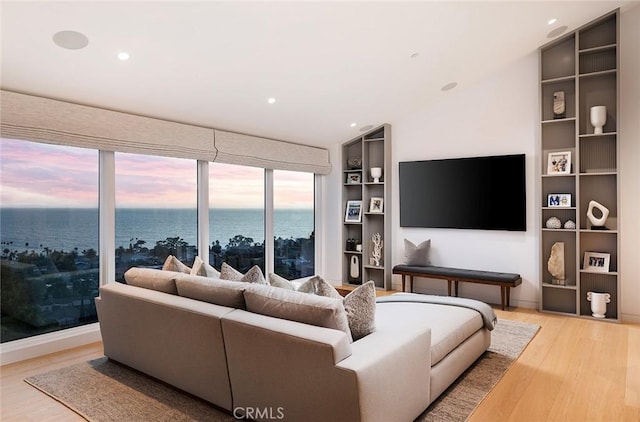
x,y
417,255
173,264
296,306
212,290
254,275
360,305
203,268
149,278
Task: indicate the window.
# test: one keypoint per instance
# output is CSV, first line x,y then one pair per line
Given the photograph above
x,y
294,228
155,211
236,216
49,272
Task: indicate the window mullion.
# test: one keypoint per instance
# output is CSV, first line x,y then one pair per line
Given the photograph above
x,y
107,219
203,210
268,222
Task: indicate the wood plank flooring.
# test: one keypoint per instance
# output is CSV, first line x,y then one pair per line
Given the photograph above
x,y
573,370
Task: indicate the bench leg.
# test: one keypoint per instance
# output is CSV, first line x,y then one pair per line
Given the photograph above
x,y
508,298
410,284
455,288
503,290
448,287
403,276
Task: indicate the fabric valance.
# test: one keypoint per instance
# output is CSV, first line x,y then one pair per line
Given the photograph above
x,y
51,121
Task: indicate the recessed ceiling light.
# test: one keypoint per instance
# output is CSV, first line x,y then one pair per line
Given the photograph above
x,y
559,30
552,21
123,56
271,100
449,86
414,55
71,40
353,124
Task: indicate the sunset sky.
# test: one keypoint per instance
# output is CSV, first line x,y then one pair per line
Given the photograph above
x,y
42,175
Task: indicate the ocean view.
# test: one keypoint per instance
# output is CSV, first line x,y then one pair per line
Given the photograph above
x,y
66,229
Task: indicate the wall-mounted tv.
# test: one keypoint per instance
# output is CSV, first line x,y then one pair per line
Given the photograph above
x,y
486,193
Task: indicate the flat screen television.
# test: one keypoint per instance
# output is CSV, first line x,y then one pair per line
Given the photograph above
x,y
485,193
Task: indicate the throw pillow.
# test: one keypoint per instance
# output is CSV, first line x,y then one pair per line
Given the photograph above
x,y
204,269
296,306
323,288
417,255
173,264
149,278
360,305
278,281
254,275
216,291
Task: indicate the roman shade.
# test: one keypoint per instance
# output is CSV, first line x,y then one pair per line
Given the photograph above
x,y
51,121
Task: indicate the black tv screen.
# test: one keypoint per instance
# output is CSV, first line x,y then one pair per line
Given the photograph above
x,y
486,193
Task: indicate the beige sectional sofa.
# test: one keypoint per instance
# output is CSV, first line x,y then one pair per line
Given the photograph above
x,y
248,363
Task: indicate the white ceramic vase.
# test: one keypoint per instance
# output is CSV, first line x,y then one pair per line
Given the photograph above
x,y
598,118
376,173
598,303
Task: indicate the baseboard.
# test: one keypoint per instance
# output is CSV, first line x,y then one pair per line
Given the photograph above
x,y
630,318
19,350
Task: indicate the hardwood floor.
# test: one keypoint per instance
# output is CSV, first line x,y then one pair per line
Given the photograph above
x,y
573,370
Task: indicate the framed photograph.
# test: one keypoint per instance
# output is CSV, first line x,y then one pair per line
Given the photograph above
x,y
596,262
562,200
353,213
353,178
559,162
375,205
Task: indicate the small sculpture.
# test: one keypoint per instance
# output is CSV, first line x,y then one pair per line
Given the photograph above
x,y
354,163
597,223
570,225
555,265
553,223
377,248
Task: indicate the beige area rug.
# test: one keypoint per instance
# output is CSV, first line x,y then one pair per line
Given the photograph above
x,y
101,390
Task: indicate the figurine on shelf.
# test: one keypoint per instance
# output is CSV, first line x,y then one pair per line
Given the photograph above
x,y
377,248
597,223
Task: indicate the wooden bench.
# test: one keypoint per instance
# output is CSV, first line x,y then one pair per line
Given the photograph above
x,y
455,275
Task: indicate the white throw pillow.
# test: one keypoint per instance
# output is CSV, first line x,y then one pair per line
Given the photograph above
x,y
203,269
278,281
417,255
173,264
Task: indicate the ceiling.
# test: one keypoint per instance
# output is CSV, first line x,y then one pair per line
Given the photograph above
x,y
327,64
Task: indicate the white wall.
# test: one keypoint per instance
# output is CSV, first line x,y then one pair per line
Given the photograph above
x,y
500,115
494,117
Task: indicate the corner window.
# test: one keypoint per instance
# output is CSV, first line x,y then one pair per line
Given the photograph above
x,y
49,272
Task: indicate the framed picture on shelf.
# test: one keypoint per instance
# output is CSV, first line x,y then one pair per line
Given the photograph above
x,y
596,262
353,212
559,162
353,178
376,204
561,200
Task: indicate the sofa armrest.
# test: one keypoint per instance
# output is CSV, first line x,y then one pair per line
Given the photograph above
x,y
304,372
392,367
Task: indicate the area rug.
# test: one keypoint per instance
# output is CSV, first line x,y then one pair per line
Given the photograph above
x,y
101,390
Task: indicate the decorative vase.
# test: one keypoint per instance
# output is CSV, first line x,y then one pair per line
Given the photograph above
x,y
598,303
598,118
376,173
